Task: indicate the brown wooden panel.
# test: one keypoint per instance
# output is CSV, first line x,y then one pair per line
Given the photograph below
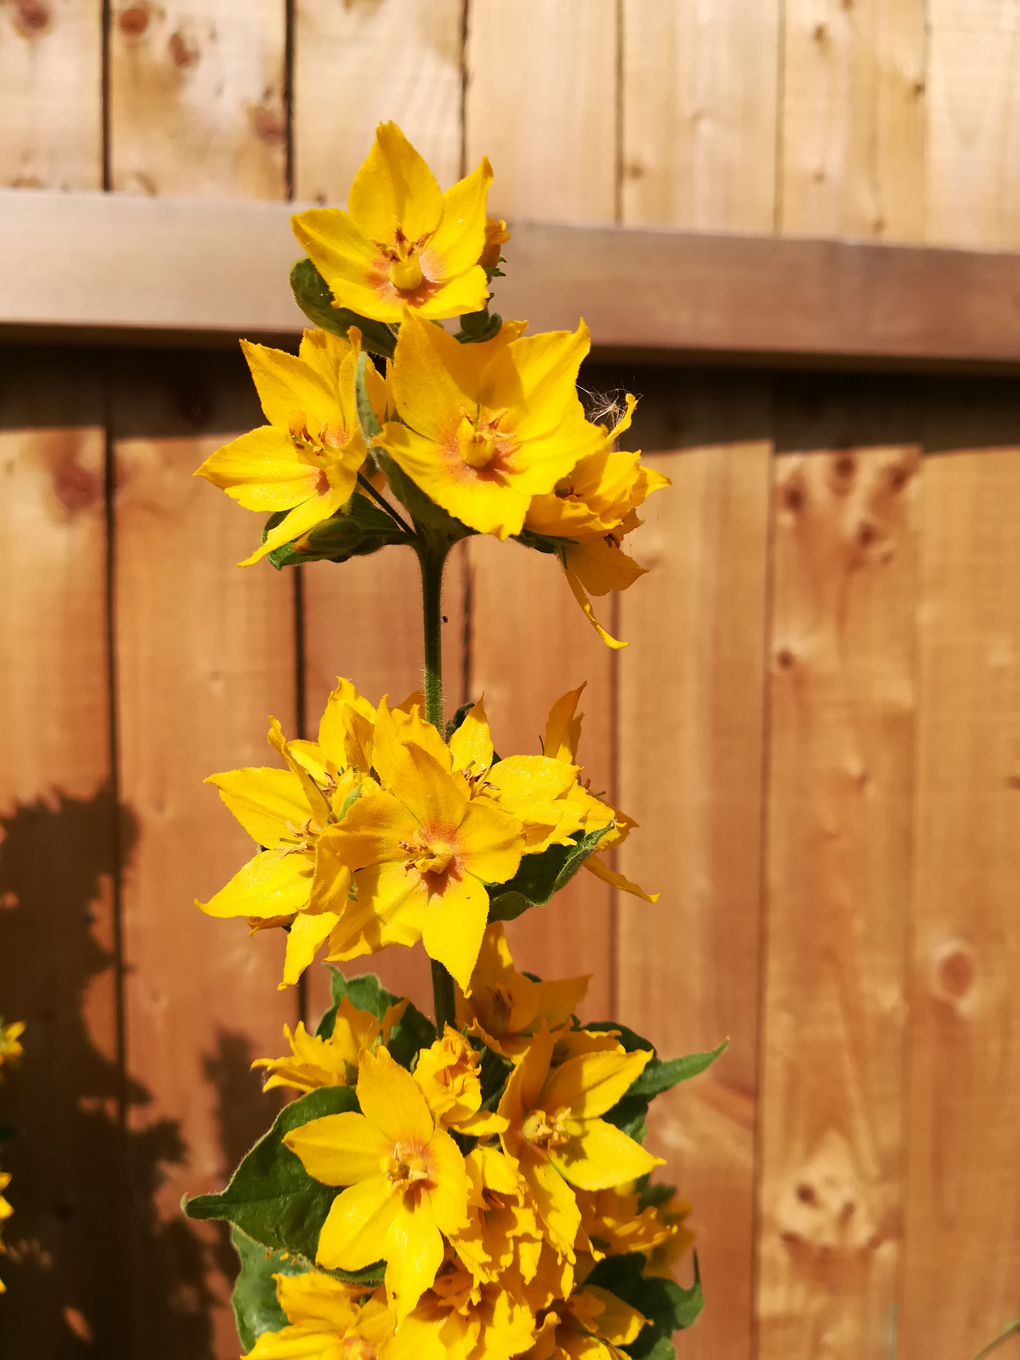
x,y
839,814
363,620
359,65
529,644
691,715
51,94
57,865
541,104
973,155
204,653
962,1232
195,98
699,113
853,119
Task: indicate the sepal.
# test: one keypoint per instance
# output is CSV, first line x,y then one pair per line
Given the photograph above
x,y
313,296
358,529
540,876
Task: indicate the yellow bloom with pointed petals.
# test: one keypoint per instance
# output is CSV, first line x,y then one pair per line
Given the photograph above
x,y
402,242
591,1324
327,1320
406,1185
333,1061
459,1319
306,460
503,1234
556,1135
595,505
488,426
449,1074
422,851
10,1049
506,1009
562,734
5,1213
613,1222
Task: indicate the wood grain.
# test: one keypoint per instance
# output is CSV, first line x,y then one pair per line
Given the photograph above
x,y
973,146
699,99
196,98
85,272
363,620
691,729
962,1241
529,644
839,814
359,65
853,119
51,95
57,861
204,653
541,104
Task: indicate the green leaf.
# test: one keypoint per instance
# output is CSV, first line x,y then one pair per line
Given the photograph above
x,y
661,1348
365,992
312,294
1011,1330
476,327
539,877
654,1195
413,1031
668,1307
256,1308
458,718
660,1076
367,418
271,1197
358,529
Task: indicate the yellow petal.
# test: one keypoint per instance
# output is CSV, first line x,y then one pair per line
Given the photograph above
x,y
264,800
602,566
414,1254
390,909
596,866
357,1226
448,1196
343,255
287,386
341,1149
617,1321
274,883
314,1297
262,470
454,924
556,1204
306,935
458,241
563,729
394,188
370,833
577,590
294,1343
392,1099
542,369
602,1156
435,377
490,842
471,744
523,780
306,516
592,1084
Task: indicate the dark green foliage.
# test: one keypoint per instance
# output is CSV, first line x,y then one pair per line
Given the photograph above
x,y
668,1307
540,876
312,294
413,1031
256,1309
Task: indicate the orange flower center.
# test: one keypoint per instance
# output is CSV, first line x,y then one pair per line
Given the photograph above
x,y
408,1169
541,1134
427,855
357,1348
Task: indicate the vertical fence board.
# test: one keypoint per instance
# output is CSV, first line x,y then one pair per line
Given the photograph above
x,y
691,713
204,652
541,104
840,787
359,65
699,113
196,98
853,114
962,1234
363,620
973,145
51,95
57,862
530,643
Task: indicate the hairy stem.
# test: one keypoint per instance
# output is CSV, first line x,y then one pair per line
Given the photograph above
x,y
432,560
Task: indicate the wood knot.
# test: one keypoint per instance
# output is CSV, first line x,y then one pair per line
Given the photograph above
x,y
32,18
76,487
793,497
820,34
633,169
866,534
954,973
826,1207
133,21
269,123
786,658
184,50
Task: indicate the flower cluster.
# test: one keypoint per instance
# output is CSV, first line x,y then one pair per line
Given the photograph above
x,y
381,833
476,1187
479,432
10,1052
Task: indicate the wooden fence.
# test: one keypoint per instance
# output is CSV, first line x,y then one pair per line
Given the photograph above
x,y
817,725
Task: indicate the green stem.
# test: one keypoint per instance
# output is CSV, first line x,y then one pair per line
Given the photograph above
x,y
432,559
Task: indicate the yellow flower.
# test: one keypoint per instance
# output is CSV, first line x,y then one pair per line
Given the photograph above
x,y
611,1220
562,735
590,1325
503,1233
405,1177
10,1048
459,1319
306,460
402,242
496,237
506,1009
288,881
556,1136
423,851
488,426
449,1076
5,1213
595,505
333,1061
326,1321
665,1256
